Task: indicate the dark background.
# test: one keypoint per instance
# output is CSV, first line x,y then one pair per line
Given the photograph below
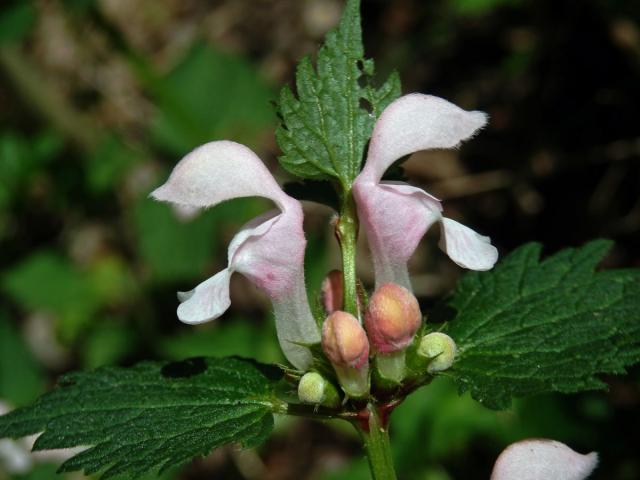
x,y
100,98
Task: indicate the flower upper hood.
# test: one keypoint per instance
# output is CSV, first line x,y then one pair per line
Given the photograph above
x,y
269,250
396,215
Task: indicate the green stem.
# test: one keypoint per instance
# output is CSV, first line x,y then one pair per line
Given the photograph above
x,y
347,233
377,447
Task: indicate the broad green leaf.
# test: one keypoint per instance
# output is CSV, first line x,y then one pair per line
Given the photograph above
x,y
532,326
326,125
152,416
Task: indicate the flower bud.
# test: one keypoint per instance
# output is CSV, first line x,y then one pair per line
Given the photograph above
x,y
344,340
316,390
392,318
440,349
333,291
345,343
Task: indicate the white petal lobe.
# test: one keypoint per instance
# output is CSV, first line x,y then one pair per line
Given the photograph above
x,y
541,459
466,247
218,171
207,301
418,122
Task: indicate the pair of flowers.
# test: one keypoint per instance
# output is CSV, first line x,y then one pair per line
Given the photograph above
x,y
269,250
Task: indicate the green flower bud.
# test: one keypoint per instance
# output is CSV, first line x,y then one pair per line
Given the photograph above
x,y
314,389
440,349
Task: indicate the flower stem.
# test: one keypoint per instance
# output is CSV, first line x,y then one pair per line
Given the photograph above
x,y
347,233
375,437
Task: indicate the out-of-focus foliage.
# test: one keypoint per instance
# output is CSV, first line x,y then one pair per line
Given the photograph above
x,y
100,98
21,378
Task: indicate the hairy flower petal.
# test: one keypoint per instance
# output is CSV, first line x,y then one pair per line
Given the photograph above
x,y
540,459
219,171
268,250
396,215
417,122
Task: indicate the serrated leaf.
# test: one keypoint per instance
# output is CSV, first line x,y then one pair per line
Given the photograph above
x,y
324,130
532,326
152,416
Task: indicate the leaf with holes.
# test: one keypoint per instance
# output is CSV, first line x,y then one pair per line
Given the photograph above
x,y
152,416
324,130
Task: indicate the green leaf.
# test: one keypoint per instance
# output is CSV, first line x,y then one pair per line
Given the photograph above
x,y
532,326
152,416
324,130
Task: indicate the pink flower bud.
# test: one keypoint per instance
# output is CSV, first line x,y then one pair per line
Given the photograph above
x,y
333,291
392,318
344,340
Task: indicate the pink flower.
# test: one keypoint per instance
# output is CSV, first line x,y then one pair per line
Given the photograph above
x,y
269,250
540,459
396,215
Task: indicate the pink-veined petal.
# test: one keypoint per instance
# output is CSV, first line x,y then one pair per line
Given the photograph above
x,y
219,171
207,301
395,217
540,459
417,122
466,247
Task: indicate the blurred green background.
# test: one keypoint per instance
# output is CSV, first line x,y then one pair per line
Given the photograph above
x,y
100,98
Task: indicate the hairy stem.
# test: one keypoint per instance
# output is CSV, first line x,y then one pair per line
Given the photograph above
x,y
347,233
375,437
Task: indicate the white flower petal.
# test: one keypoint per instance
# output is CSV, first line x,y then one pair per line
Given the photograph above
x,y
219,171
417,122
541,459
466,247
207,301
269,250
